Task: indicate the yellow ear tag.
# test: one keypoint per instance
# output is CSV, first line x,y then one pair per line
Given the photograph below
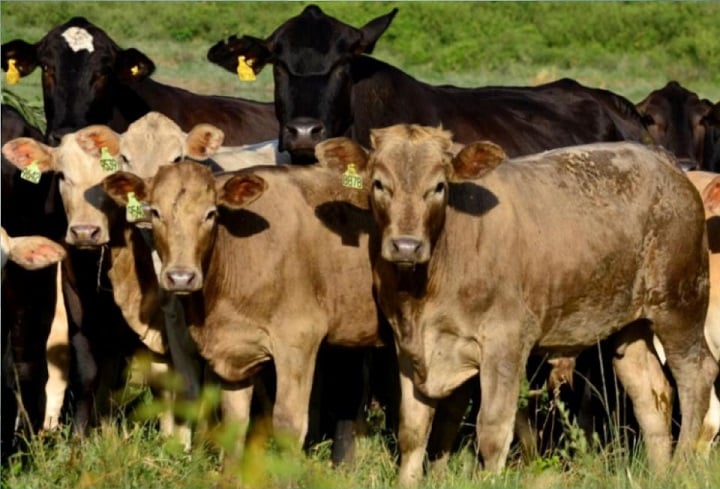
x,y
134,211
135,70
244,69
351,179
13,75
31,173
107,162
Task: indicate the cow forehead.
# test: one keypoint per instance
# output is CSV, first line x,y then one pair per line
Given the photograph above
x,y
311,44
82,168
75,42
412,163
183,186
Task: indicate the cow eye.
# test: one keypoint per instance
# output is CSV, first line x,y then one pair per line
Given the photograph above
x,y
377,185
178,159
648,120
211,214
125,159
60,175
155,213
440,188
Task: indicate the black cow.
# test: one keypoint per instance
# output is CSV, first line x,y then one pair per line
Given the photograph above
x,y
28,297
88,79
679,120
326,87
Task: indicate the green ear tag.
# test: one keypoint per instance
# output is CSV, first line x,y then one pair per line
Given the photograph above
x,y
31,173
107,162
134,210
351,179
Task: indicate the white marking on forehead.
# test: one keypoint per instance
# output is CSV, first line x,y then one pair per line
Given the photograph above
x,y
78,39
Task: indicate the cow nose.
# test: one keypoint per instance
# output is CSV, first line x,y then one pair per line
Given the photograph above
x,y
304,133
85,233
406,249
181,279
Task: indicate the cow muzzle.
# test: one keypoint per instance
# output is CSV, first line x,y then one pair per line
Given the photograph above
x,y
405,251
300,136
181,280
85,236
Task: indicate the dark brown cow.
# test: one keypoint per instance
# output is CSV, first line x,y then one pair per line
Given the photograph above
x,y
88,79
325,87
683,123
266,278
478,267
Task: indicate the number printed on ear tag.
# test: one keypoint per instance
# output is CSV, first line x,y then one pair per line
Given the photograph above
x,y
31,173
107,162
351,179
134,211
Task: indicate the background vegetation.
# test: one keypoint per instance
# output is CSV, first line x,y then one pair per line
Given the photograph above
x,y
631,48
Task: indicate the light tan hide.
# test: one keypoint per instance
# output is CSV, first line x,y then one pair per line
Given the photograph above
x,y
480,266
155,140
275,257
708,184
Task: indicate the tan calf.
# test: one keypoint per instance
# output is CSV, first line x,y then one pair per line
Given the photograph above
x,y
477,267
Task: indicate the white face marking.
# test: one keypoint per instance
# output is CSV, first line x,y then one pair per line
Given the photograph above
x,y
79,39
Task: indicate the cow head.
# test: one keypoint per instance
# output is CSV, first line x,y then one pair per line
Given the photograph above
x,y
678,119
81,68
312,57
184,200
155,140
410,169
77,161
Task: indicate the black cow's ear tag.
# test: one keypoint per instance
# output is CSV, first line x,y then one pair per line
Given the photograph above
x,y
244,69
13,74
107,162
135,70
134,210
31,173
351,179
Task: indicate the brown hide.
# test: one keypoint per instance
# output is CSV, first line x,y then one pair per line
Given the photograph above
x,y
546,253
278,272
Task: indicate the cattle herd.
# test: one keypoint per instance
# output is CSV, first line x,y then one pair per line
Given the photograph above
x,y
464,231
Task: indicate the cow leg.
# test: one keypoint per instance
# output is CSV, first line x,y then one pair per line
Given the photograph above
x,y
295,368
501,372
416,417
711,423
58,356
235,402
448,419
641,374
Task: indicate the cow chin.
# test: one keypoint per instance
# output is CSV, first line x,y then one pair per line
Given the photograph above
x,y
303,155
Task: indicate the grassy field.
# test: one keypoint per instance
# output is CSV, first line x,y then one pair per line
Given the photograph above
x,y
631,48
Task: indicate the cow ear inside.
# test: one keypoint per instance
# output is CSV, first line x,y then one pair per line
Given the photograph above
x,y
477,159
131,65
203,141
93,139
240,190
338,153
22,152
371,32
227,54
35,252
22,54
119,184
711,196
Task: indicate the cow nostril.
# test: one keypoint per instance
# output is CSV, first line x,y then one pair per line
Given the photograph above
x,y
316,130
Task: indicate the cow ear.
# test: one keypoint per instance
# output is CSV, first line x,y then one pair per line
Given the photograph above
x,y
227,54
35,252
240,190
203,141
22,54
117,185
131,65
371,32
477,159
338,153
712,117
711,196
22,152
93,139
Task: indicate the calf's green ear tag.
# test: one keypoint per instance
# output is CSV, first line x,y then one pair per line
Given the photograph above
x,y
351,179
31,173
134,210
107,162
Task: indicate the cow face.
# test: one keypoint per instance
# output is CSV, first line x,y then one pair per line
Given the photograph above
x,y
155,140
678,120
184,200
312,57
410,168
81,67
78,163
